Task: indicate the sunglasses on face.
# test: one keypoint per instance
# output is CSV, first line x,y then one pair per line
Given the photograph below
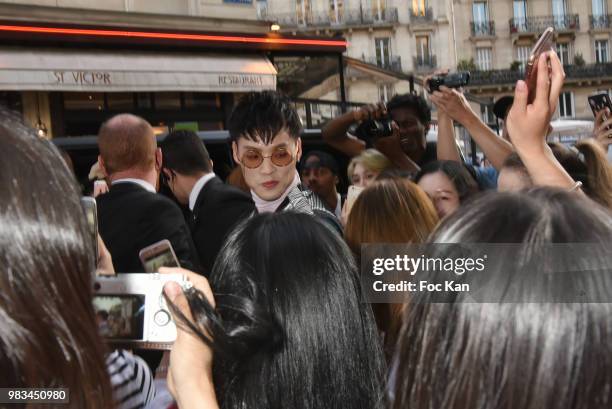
x,y
253,158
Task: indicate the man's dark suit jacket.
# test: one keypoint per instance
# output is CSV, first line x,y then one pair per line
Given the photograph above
x,y
131,218
218,209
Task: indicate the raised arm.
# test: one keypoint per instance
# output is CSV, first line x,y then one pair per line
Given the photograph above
x,y
454,104
528,124
334,133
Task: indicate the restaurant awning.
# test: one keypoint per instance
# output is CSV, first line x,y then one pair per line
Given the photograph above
x,y
132,71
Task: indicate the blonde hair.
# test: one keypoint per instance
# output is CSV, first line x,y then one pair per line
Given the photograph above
x,y
370,159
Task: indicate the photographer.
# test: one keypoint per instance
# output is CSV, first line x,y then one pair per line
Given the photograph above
x,y
400,133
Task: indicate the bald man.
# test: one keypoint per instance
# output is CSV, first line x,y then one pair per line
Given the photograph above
x,y
132,215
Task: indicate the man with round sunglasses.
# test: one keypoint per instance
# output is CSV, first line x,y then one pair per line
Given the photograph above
x,y
265,132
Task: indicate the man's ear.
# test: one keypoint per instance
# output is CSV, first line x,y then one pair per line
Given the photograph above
x,y
212,165
298,143
103,167
336,180
235,152
158,160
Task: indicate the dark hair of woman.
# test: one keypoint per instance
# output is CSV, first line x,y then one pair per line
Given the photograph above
x,y
49,337
291,328
519,355
461,178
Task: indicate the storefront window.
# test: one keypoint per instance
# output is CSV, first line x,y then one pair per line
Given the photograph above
x,y
167,100
120,101
77,101
202,100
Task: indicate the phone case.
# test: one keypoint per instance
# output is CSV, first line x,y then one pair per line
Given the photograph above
x,y
545,43
155,250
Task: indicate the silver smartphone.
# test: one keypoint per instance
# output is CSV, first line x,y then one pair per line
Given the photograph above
x,y
160,254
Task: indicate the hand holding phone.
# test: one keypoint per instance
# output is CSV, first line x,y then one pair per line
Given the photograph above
x,y
160,254
545,43
598,103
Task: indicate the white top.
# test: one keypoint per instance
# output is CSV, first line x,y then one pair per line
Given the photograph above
x,y
195,192
140,182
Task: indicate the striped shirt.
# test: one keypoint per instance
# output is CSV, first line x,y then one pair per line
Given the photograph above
x,y
131,379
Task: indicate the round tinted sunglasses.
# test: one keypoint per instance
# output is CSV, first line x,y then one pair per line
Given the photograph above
x,y
253,159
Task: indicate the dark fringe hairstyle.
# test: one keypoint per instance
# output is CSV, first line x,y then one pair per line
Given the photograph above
x,y
263,115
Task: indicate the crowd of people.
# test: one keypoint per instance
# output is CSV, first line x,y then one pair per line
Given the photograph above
x,y
276,315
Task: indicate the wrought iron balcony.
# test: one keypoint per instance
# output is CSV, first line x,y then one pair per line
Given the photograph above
x,y
344,18
509,77
600,22
424,62
393,63
482,28
536,25
421,16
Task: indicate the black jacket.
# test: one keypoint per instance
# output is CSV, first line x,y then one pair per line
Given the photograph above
x,y
131,218
218,209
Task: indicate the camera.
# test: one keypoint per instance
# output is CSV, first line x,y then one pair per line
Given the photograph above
x,y
375,128
456,80
131,309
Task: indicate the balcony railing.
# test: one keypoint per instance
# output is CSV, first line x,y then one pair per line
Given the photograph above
x,y
569,22
600,22
424,62
496,77
482,28
344,18
421,16
392,63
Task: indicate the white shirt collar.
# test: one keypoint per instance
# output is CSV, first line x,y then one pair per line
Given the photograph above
x,y
195,192
143,183
338,211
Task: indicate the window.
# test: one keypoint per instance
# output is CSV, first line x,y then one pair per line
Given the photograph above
x,y
483,59
302,11
422,48
522,55
480,13
335,10
563,51
599,8
566,105
385,92
382,51
378,9
520,13
559,13
418,7
601,51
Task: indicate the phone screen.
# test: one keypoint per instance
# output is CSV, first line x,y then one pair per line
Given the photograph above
x,y
120,316
164,259
91,213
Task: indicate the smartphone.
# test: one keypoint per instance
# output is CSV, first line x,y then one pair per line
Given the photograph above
x,y
600,101
160,254
351,197
91,213
545,43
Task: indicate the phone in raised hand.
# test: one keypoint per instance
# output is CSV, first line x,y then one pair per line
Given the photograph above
x,y
545,43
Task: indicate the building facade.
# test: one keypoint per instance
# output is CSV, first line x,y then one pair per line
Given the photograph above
x,y
402,36
495,38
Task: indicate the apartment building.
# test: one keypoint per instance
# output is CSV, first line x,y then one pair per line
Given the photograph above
x,y
494,39
399,37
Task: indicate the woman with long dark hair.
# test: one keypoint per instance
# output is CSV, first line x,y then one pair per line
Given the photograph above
x,y
48,336
291,327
